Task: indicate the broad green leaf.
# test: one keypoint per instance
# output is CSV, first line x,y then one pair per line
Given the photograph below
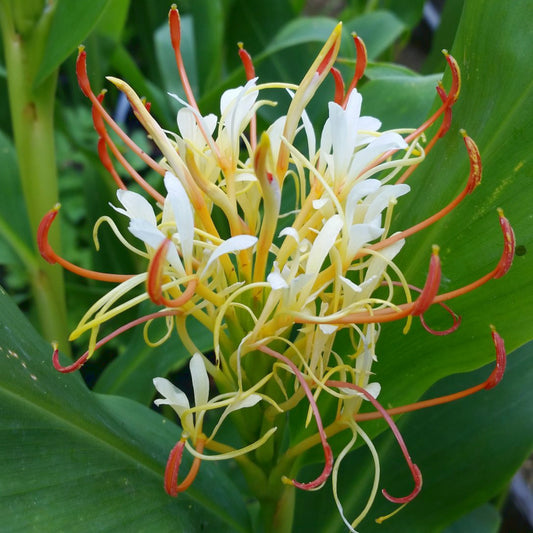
x,y
208,32
72,458
301,31
399,101
467,452
379,30
71,23
113,19
483,519
470,237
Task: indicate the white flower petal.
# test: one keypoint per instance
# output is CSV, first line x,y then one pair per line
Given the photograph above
x,y
200,380
328,329
183,213
321,202
290,232
383,198
387,141
153,237
136,206
249,401
172,396
361,234
323,243
277,281
233,244
357,192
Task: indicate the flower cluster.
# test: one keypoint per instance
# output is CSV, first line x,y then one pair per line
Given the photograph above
x,y
294,294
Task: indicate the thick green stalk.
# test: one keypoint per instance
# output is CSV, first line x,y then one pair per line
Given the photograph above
x,y
278,513
25,25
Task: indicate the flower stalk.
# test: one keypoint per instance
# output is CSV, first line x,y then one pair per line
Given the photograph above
x,y
25,27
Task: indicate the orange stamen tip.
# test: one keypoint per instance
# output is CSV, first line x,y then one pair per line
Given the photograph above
x,y
175,27
81,71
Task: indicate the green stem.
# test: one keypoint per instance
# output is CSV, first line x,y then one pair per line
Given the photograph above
x,y
278,513
25,26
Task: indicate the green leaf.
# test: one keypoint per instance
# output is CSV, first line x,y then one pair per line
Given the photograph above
x,y
208,32
483,519
71,23
72,458
113,19
379,30
399,101
467,452
470,238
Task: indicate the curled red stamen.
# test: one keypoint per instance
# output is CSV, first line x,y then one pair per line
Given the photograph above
x,y
501,360
172,487
103,154
447,120
431,286
506,259
504,264
328,454
455,317
455,88
360,64
50,255
454,327
172,468
249,70
98,120
153,281
474,179
79,362
415,471
339,85
494,378
70,368
81,72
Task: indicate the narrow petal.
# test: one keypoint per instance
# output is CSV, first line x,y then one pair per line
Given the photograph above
x,y
183,214
200,380
233,244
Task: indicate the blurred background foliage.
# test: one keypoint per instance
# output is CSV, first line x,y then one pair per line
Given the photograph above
x,y
130,40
